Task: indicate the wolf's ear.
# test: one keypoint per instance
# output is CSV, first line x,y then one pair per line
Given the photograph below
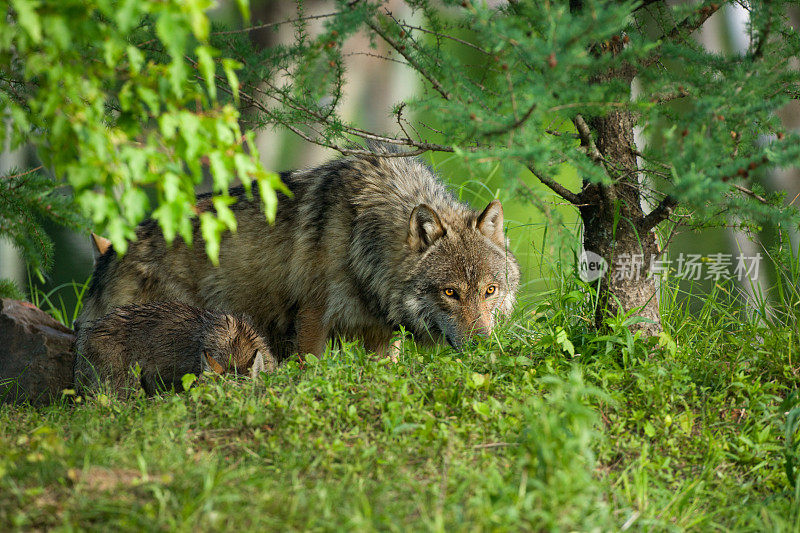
x,y
490,222
100,244
209,363
424,228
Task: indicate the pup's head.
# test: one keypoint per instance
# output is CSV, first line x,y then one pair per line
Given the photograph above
x,y
464,275
233,346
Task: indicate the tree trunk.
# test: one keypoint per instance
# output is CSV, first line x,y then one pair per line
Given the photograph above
x,y
616,228
614,225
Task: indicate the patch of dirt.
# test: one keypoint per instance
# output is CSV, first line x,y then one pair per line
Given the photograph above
x,y
102,479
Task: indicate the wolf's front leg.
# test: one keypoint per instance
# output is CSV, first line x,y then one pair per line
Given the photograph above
x,y
312,331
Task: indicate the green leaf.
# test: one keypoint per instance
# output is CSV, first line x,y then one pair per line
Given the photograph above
x,y
564,342
150,98
188,380
128,13
134,204
268,196
112,52
230,67
28,18
211,229
168,123
136,60
59,31
219,172
224,214
244,9
171,186
477,380
190,131
481,408
168,216
198,19
172,31
207,68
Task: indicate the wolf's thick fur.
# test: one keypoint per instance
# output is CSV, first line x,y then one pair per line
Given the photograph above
x,y
364,245
166,341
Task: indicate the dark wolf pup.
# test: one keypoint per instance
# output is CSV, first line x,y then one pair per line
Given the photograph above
x,y
166,341
364,245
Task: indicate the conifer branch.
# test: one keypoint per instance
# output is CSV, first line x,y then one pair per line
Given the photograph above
x,y
516,124
401,49
444,36
281,22
685,27
690,23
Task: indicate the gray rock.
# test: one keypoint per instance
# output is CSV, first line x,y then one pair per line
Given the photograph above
x,y
36,354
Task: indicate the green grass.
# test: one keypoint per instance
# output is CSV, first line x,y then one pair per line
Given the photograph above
x,y
547,426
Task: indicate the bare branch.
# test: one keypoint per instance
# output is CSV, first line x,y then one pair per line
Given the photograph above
x,y
556,187
662,98
562,134
586,140
657,215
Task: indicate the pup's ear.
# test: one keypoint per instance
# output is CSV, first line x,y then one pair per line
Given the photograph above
x,y
424,228
100,244
490,222
208,363
258,365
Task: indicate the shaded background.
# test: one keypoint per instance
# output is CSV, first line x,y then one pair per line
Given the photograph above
x,y
374,85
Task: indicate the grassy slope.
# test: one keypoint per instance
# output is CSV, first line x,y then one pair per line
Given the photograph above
x,y
514,433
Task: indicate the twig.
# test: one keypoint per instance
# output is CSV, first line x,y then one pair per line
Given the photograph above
x,y
413,62
378,56
750,193
274,24
450,37
562,134
494,445
20,174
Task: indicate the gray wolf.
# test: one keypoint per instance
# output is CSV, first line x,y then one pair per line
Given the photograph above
x,y
362,246
165,341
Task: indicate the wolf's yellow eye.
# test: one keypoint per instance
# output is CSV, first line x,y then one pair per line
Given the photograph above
x,y
450,293
490,290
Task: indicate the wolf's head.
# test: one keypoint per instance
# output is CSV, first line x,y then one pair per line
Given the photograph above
x,y
464,275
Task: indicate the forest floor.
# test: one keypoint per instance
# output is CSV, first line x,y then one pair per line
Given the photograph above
x,y
545,426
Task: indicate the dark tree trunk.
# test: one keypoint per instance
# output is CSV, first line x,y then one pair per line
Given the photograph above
x,y
616,228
